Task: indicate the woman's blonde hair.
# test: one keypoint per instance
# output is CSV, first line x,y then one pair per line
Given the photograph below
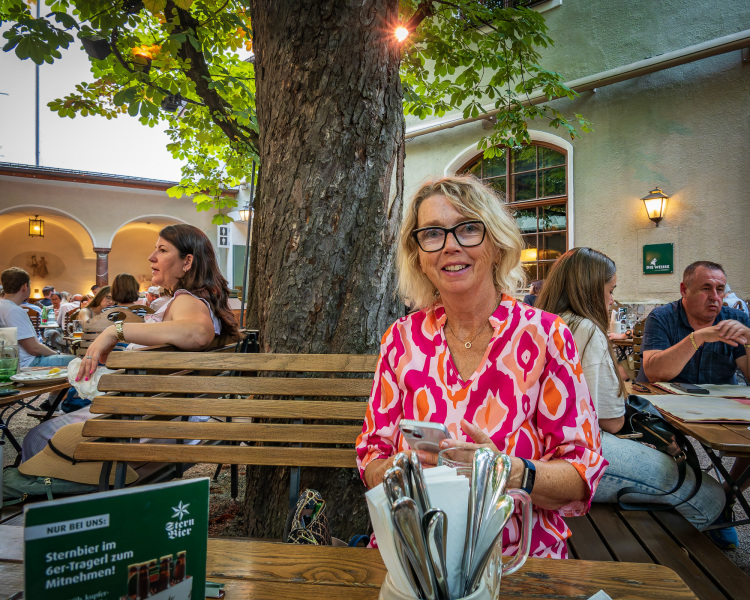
x,y
472,198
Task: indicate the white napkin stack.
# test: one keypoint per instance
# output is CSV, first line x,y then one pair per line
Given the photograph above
x,y
449,492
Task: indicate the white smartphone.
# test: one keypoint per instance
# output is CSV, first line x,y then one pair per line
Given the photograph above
x,y
423,435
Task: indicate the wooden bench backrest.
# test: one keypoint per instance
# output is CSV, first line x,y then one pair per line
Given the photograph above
x,y
322,390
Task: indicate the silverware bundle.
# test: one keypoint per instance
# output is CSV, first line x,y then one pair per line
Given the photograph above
x,y
421,529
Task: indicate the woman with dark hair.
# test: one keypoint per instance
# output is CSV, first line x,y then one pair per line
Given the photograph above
x,y
98,303
125,290
580,288
183,262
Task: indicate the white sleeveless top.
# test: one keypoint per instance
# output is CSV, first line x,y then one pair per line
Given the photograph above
x,y
158,316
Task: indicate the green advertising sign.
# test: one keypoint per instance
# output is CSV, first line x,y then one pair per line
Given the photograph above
x,y
145,542
658,259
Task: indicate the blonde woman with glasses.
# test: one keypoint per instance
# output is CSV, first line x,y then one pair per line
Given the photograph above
x,y
497,373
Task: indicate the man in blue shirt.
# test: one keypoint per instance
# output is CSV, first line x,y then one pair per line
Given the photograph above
x,y
696,339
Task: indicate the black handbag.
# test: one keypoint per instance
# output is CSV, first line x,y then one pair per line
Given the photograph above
x,y
642,417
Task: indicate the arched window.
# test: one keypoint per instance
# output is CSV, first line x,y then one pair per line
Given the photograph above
x,y
534,181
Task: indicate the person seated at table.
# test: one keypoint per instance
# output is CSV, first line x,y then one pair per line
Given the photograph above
x,y
56,300
580,288
33,306
732,300
67,305
98,303
698,340
534,289
498,373
183,261
46,293
164,297
31,353
125,290
152,294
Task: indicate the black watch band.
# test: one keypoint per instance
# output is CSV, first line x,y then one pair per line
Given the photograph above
x,y
528,477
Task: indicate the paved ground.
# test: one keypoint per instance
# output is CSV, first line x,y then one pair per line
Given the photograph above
x,y
226,514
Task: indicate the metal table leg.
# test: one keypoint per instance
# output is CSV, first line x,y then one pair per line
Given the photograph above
x,y
734,489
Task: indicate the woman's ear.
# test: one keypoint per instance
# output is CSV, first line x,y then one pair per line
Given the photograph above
x,y
188,263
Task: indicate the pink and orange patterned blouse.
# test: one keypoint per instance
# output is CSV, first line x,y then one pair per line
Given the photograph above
x,y
528,394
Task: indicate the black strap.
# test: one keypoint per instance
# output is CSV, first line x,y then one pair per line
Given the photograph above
x,y
62,454
685,456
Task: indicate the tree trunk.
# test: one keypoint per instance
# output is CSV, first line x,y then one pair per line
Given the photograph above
x,y
331,142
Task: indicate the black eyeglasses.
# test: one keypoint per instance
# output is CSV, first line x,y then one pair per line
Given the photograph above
x,y
432,239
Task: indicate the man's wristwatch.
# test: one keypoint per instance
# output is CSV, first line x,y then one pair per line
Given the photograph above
x,y
528,476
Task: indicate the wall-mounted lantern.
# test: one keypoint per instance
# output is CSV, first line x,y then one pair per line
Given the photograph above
x,y
656,205
245,213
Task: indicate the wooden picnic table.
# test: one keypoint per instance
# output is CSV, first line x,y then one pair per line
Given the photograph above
x,y
12,405
265,570
717,440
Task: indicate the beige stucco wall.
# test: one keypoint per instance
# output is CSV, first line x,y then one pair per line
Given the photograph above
x,y
685,129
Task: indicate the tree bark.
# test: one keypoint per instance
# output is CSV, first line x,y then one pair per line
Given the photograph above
x,y
331,142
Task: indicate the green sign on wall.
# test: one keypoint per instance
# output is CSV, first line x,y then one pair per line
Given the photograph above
x,y
658,259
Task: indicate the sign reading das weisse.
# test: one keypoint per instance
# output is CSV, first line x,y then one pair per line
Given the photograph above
x,y
658,259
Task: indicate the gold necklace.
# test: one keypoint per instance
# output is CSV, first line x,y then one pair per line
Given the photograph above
x,y
467,345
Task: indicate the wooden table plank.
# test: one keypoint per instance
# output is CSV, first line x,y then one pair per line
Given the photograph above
x,y
29,391
585,541
625,547
722,571
732,439
248,589
267,571
551,579
274,561
669,554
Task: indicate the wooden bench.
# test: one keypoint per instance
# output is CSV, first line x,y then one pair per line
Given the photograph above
x,y
609,533
309,400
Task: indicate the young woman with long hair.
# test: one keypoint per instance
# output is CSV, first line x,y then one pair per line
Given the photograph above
x,y
102,300
579,288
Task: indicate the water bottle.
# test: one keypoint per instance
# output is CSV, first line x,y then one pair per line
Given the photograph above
x,y
45,315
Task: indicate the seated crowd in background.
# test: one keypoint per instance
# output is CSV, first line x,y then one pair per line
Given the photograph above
x,y
31,352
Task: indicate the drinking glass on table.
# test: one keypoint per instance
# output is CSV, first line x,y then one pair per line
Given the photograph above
x,y
8,362
75,329
461,459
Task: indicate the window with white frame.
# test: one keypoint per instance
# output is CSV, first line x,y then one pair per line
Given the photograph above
x,y
534,181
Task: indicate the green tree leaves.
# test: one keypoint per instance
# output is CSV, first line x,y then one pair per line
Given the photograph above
x,y
470,55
